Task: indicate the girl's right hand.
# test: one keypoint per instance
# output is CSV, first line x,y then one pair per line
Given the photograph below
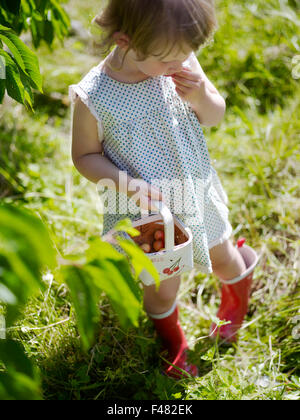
x,y
147,192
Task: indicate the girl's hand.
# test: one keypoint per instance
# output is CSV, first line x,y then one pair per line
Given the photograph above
x,y
190,86
144,194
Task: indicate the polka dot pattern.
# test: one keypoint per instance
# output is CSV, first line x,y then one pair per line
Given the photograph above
x,y
151,133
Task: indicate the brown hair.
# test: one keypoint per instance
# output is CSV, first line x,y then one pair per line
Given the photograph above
x,y
147,22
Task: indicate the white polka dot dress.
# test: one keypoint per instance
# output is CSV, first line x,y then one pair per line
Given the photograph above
x,y
150,132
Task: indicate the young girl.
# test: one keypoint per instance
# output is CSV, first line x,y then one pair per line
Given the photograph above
x,y
140,112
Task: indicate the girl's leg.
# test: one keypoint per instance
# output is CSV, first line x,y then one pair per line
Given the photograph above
x,y
158,302
226,260
234,266
162,309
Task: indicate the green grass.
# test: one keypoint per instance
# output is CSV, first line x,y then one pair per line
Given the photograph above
x,y
256,153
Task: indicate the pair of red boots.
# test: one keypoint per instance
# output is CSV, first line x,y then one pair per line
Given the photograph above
x,y
234,307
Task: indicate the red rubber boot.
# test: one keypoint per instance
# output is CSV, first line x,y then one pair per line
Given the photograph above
x,y
235,297
168,328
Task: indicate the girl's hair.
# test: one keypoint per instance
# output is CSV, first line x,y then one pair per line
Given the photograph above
x,y
152,25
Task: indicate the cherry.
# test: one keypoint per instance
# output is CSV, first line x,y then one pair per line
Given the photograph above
x,y
166,271
146,248
176,269
158,245
159,235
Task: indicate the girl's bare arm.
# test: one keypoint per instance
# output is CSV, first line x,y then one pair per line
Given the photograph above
x,y
87,149
87,153
211,109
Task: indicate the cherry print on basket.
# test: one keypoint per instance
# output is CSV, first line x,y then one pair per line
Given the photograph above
x,y
173,268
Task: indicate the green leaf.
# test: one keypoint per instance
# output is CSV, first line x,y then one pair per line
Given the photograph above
x,y
61,15
13,49
4,28
26,7
125,270
13,356
85,298
37,16
122,265
10,250
209,355
35,33
139,260
27,92
14,86
125,225
23,223
57,28
42,6
2,90
110,272
25,249
17,386
24,57
49,32
108,276
21,379
101,249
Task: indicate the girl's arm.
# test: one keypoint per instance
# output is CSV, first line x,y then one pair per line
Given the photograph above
x,y
87,150
193,86
212,106
88,158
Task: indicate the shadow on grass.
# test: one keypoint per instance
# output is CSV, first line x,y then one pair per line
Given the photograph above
x,y
123,365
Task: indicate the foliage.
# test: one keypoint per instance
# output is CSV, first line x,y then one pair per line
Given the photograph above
x,y
26,248
46,19
18,64
21,380
256,49
102,268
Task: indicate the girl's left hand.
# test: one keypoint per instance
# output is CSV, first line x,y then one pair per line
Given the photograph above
x,y
190,86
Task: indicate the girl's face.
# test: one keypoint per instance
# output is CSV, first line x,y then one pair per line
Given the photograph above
x,y
155,66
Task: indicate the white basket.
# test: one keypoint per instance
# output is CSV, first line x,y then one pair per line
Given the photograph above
x,y
174,259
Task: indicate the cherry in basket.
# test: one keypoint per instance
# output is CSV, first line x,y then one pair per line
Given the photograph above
x,y
158,245
159,242
146,248
159,235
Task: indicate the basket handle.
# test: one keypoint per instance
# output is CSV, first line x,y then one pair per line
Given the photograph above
x,y
168,223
